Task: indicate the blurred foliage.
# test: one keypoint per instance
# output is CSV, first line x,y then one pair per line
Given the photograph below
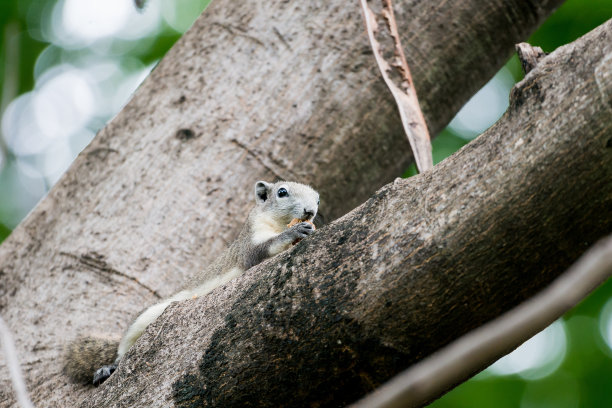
x,y
4,232
584,375
572,20
30,48
13,20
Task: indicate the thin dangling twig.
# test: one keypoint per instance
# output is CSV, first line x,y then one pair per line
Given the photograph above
x,y
396,74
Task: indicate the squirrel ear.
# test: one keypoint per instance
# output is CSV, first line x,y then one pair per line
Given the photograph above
x,y
262,191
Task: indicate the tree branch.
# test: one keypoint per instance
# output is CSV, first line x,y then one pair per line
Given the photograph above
x,y
10,354
382,287
432,377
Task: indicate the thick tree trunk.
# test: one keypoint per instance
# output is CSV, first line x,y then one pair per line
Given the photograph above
x,y
421,262
257,90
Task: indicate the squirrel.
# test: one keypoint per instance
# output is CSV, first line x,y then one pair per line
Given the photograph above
x,y
264,234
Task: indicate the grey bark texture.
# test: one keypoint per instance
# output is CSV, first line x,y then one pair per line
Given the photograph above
x,y
254,90
432,376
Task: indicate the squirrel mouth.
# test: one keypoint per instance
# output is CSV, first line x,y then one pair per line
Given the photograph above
x,y
298,220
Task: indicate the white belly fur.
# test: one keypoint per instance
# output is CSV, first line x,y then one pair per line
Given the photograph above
x,y
264,228
153,312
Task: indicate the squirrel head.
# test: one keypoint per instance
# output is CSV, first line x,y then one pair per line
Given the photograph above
x,y
286,200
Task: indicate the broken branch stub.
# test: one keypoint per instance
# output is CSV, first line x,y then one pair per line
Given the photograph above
x,y
529,55
394,69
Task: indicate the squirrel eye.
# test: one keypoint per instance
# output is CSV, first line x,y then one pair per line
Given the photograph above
x,y
282,192
318,201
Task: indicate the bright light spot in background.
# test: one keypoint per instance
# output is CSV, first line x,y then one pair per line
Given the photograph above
x,y
51,121
142,23
76,92
82,23
123,93
62,104
30,178
94,19
79,141
105,75
56,160
484,108
20,128
49,57
180,14
537,357
23,186
48,127
605,324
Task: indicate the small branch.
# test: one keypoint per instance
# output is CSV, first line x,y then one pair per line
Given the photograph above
x,y
433,376
529,55
401,84
10,355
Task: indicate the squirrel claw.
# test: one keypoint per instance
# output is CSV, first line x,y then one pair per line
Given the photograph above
x,y
103,373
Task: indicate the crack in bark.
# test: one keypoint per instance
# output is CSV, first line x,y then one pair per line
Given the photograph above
x,y
241,32
256,157
102,152
96,262
281,38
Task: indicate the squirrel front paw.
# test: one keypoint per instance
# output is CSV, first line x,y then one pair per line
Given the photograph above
x,y
300,231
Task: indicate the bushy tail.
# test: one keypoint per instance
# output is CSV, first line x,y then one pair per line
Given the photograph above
x,y
85,355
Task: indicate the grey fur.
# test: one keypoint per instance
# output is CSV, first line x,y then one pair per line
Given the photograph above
x,y
85,354
257,253
263,235
243,253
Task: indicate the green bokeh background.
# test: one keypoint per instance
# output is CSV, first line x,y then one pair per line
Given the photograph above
x,y
584,378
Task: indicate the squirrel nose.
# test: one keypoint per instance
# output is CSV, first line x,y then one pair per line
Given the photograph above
x,y
308,214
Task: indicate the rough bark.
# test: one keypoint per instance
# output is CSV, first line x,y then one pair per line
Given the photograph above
x,y
529,56
423,261
431,377
255,90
